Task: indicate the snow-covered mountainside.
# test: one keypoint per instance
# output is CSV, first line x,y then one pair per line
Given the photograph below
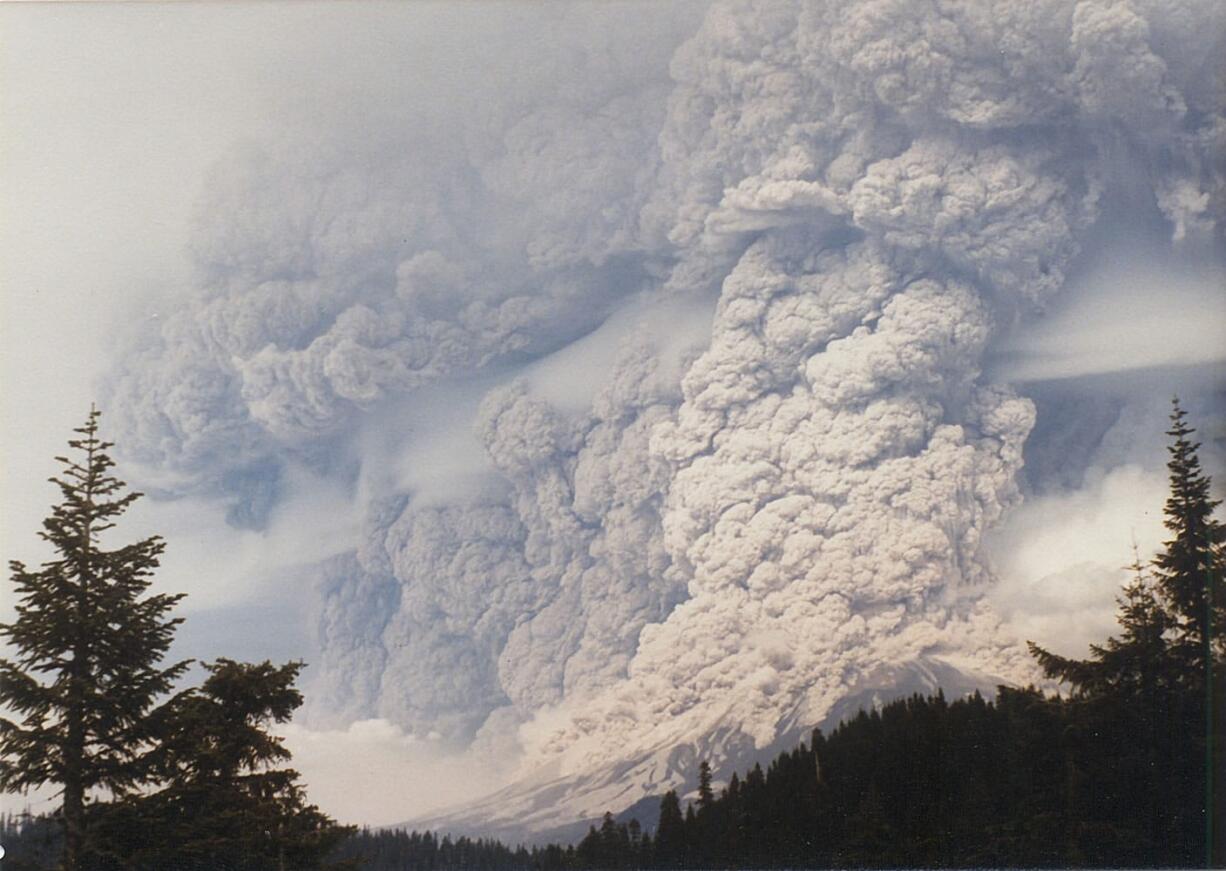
x,y
552,807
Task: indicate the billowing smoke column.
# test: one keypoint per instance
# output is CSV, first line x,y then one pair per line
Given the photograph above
x,y
727,542
897,179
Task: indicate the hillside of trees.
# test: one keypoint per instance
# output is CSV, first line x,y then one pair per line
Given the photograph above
x,y
1122,769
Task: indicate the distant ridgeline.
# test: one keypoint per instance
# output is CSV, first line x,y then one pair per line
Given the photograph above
x,y
1026,780
1122,771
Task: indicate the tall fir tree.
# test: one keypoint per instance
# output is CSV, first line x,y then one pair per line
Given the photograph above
x,y
1189,571
1164,672
88,646
1133,666
706,797
1189,567
670,833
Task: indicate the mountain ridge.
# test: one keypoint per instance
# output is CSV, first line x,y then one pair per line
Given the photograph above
x,y
549,808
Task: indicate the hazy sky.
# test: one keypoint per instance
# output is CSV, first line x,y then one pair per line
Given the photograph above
x,y
307,249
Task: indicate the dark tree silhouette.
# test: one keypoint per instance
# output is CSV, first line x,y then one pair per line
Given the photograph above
x,y
1154,685
1190,580
226,798
1189,568
670,833
706,797
88,643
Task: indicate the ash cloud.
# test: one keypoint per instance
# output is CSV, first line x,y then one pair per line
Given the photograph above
x,y
728,536
838,455
520,596
334,275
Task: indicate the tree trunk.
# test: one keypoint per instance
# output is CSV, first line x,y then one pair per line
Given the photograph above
x,y
74,750
74,823
73,760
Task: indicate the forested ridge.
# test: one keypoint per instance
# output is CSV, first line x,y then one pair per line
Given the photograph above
x,y
1121,769
1027,780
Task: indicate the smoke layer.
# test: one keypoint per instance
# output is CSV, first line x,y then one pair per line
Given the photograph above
x,y
728,539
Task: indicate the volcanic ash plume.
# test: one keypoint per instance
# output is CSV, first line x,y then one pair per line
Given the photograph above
x,y
719,545
900,179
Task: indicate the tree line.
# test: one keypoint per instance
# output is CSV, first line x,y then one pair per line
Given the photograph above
x,y
1123,769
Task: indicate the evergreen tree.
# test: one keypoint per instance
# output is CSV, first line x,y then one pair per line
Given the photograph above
x,y
1190,579
1189,568
1125,694
705,796
1132,666
670,833
88,644
226,799
693,839
590,850
1155,684
614,843
636,845
705,831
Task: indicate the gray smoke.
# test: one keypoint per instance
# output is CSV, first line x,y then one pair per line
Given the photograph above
x,y
333,276
518,597
732,536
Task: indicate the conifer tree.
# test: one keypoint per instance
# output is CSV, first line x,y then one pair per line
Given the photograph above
x,y
706,797
88,644
693,840
1189,568
1160,672
634,832
670,833
226,799
1132,667
1190,577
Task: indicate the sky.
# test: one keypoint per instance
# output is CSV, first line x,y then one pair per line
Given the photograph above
x,y
489,356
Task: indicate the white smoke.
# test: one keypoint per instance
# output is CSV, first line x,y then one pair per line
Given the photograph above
x,y
726,539
591,496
